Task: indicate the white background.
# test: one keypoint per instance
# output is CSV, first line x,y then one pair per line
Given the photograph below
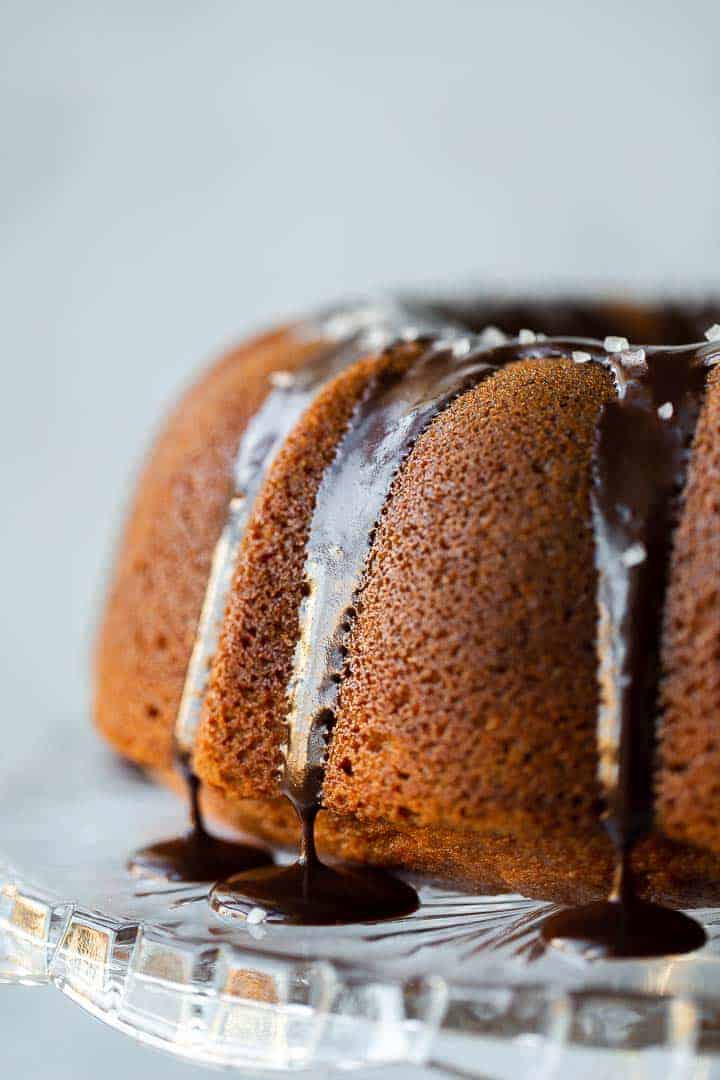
x,y
173,174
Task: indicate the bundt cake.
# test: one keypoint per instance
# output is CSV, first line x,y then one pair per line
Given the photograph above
x,y
371,564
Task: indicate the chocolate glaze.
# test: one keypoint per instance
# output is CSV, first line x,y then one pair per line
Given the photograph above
x,y
403,397
197,855
640,466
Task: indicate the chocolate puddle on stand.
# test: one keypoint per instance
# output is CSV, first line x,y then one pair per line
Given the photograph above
x,y
640,469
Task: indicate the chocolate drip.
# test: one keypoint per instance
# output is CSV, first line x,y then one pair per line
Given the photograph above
x,y
640,467
197,855
399,404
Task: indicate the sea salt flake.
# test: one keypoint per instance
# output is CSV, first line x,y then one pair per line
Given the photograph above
x,y
615,344
410,334
634,555
283,380
462,347
633,358
376,339
255,915
527,337
666,410
713,332
491,336
581,357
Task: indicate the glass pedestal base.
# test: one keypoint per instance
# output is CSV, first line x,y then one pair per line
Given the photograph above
x,y
457,985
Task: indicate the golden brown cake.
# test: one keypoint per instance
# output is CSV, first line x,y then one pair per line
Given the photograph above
x,y
464,741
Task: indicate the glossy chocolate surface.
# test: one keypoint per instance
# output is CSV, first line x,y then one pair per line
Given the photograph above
x,y
639,472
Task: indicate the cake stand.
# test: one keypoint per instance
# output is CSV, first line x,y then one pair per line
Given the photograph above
x,y
458,986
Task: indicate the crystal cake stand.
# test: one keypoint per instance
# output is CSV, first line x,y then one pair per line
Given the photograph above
x,y
455,986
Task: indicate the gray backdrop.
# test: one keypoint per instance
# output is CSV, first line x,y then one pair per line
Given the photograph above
x,y
173,174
